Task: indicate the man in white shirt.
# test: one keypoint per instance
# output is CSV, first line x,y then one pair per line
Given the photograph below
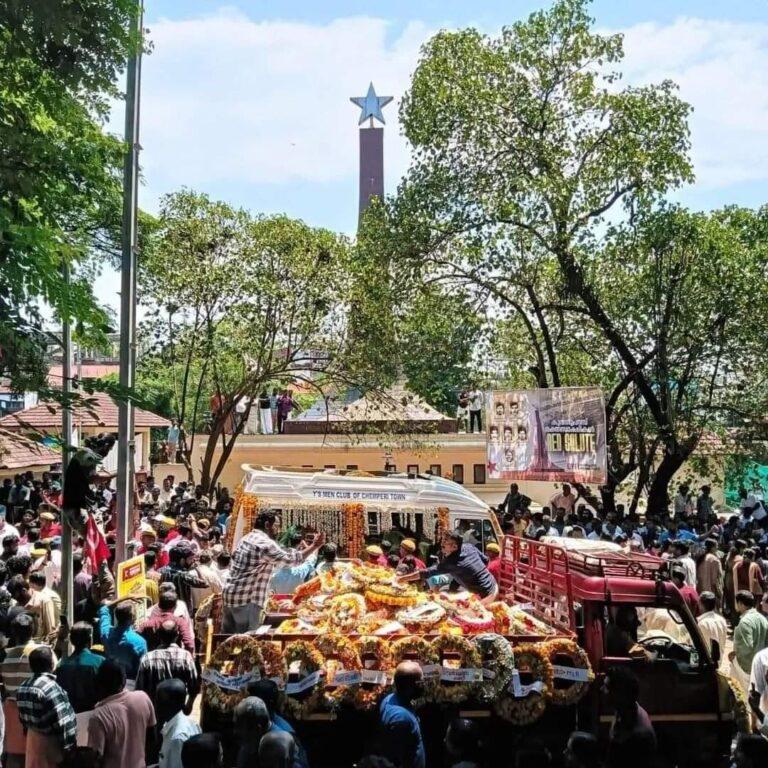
x,y
758,677
475,410
712,625
170,697
564,500
681,557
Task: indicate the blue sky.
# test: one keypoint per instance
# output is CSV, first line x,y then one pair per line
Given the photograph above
x,y
249,100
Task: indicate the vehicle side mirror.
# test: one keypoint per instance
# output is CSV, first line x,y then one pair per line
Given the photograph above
x,y
715,652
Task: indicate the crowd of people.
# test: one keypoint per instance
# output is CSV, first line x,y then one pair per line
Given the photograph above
x,y
120,684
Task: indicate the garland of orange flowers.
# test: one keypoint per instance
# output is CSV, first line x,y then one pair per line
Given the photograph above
x,y
307,589
312,660
384,595
443,522
352,529
567,649
469,659
247,505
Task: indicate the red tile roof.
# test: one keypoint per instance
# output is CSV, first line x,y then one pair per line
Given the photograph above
x,y
86,371
17,451
102,412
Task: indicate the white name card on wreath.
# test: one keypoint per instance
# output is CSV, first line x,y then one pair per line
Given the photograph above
x,y
462,675
520,691
574,674
373,676
431,671
309,681
348,677
229,683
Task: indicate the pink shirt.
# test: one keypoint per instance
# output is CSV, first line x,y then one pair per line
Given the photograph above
x,y
118,729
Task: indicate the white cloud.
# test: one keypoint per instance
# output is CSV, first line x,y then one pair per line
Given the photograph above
x,y
720,67
229,99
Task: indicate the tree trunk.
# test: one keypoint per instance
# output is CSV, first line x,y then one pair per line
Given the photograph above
x,y
658,494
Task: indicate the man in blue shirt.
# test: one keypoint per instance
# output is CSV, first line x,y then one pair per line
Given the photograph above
x,y
121,642
266,690
399,729
465,564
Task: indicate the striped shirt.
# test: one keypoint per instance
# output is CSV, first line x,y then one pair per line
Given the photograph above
x,y
14,669
253,563
44,707
164,664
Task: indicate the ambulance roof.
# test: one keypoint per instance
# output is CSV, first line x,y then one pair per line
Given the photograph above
x,y
351,486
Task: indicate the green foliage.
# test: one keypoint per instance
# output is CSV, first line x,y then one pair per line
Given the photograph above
x,y
59,171
236,303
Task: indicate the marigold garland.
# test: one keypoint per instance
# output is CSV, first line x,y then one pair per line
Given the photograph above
x,y
237,655
454,693
352,529
386,595
367,695
337,647
499,660
307,589
311,660
575,691
345,612
741,711
421,618
523,711
443,522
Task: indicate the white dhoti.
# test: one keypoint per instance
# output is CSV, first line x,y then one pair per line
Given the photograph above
x,y
265,416
741,677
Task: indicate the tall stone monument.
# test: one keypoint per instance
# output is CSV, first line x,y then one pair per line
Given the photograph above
x,y
371,146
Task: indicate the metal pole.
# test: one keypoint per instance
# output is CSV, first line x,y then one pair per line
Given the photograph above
x,y
66,584
125,445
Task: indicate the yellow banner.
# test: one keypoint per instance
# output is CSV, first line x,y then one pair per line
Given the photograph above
x,y
130,579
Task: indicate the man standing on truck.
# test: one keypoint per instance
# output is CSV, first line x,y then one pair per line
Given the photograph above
x,y
462,563
255,559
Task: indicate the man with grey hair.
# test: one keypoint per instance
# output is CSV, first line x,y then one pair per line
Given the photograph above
x,y
251,721
276,750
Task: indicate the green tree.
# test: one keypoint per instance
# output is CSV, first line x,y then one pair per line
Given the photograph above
x,y
536,182
238,303
59,171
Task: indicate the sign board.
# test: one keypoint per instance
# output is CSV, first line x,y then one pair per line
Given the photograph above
x,y
546,434
130,579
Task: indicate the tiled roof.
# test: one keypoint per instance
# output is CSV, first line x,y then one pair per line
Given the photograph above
x,y
86,371
17,451
102,412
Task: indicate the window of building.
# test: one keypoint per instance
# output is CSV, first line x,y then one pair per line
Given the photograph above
x,y
329,466
413,469
458,473
479,472
436,469
352,466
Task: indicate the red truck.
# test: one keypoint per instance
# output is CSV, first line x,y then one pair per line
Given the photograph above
x,y
579,591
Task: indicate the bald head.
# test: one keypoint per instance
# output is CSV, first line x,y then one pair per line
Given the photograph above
x,y
252,718
276,750
408,680
168,632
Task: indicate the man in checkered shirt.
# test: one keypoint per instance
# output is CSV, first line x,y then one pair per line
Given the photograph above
x,y
45,711
255,559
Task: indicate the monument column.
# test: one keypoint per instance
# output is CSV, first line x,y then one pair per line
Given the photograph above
x,y
371,147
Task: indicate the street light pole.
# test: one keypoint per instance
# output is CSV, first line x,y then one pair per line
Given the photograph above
x,y
66,584
125,446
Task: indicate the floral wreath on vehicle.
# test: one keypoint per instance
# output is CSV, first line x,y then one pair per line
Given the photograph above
x,y
527,709
498,661
454,693
566,650
311,661
237,655
338,654
345,612
367,695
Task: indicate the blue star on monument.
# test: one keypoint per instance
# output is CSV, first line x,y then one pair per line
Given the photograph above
x,y
370,105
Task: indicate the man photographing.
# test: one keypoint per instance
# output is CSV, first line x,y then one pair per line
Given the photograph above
x,y
255,559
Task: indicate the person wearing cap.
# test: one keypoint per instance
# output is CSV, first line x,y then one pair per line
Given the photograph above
x,y
376,556
408,549
49,527
148,538
494,560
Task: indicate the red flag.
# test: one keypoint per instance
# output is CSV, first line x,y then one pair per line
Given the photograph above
x,y
95,547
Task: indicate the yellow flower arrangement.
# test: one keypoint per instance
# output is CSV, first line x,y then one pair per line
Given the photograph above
x,y
562,650
310,659
345,612
338,654
454,693
237,655
525,710
367,695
